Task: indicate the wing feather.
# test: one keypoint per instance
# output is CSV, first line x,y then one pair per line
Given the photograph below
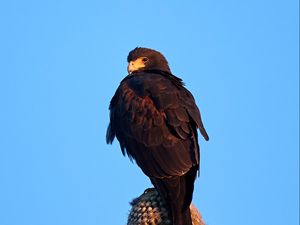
x,y
155,121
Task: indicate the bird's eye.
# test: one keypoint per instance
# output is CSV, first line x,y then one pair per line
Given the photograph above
x,y
145,59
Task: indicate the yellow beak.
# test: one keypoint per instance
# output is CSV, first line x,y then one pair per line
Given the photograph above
x,y
135,65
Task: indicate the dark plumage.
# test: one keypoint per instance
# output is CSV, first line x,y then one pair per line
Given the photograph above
x,y
155,119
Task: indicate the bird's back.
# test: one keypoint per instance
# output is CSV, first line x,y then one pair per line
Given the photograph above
x,y
155,120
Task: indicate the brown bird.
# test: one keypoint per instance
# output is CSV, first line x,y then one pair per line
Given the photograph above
x,y
155,119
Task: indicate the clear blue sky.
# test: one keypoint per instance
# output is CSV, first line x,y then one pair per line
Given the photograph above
x,y
61,62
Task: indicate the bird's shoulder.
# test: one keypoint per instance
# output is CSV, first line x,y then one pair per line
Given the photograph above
x,y
152,82
164,89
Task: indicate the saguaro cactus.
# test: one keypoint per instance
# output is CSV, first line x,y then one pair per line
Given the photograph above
x,y
149,209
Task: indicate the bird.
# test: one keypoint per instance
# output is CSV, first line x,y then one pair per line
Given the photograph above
x,y
155,119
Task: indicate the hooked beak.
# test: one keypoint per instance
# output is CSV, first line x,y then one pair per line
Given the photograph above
x,y
131,67
136,65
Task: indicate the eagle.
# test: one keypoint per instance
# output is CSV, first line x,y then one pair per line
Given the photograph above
x,y
155,119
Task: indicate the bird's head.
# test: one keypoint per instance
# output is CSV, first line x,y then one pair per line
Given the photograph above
x,y
140,59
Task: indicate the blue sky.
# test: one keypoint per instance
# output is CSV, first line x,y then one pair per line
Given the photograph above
x,y
61,62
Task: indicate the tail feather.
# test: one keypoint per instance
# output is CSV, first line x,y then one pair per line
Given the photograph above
x,y
180,217
177,192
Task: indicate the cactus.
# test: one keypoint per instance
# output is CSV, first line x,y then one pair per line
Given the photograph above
x,y
149,209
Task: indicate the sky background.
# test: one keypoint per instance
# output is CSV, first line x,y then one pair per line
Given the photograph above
x,y
61,62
